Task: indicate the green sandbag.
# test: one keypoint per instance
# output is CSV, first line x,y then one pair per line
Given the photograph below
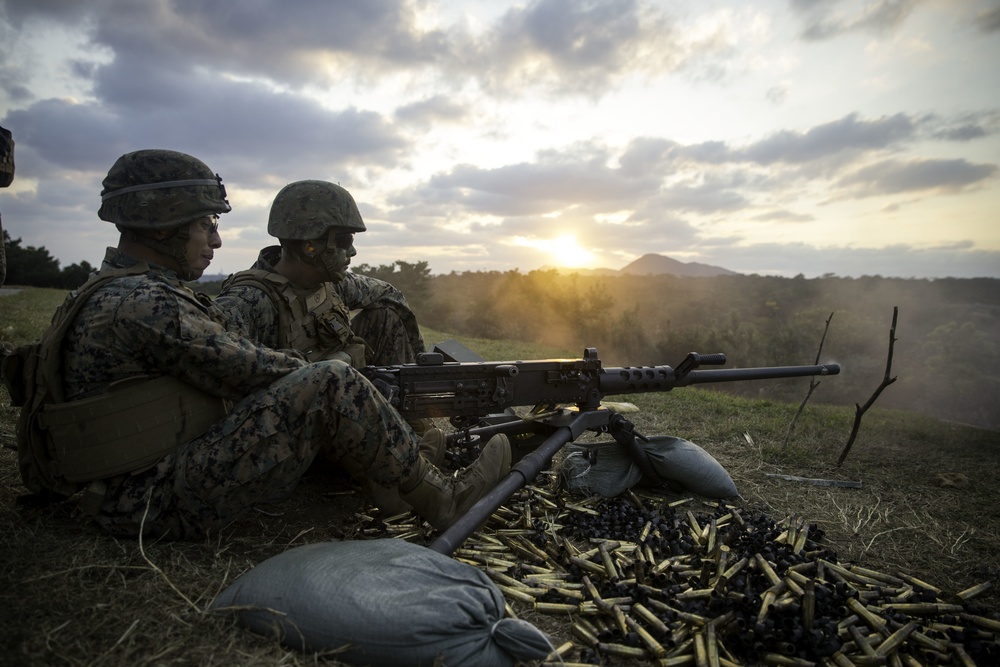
x,y
386,603
607,469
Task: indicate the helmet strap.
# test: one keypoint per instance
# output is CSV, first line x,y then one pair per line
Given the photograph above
x,y
173,246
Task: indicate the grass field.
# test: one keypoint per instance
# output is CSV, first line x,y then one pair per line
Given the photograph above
x,y
926,511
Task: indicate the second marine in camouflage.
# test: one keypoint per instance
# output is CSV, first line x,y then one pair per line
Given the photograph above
x,y
299,295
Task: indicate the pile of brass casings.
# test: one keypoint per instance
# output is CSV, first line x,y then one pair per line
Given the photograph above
x,y
640,579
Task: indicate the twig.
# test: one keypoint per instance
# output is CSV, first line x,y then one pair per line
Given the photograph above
x,y
813,383
154,566
886,381
847,484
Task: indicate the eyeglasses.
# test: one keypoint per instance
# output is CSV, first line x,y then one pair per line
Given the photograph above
x,y
343,240
211,225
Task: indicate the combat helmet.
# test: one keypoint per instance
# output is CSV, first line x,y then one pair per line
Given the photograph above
x,y
152,191
160,189
306,210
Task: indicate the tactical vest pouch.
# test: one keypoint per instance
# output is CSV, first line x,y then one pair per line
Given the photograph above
x,y
129,428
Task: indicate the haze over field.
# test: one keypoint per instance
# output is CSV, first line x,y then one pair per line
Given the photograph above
x,y
773,137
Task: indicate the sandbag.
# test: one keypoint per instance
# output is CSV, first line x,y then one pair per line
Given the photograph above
x,y
607,469
386,603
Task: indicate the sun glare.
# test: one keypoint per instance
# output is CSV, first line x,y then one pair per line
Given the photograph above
x,y
565,251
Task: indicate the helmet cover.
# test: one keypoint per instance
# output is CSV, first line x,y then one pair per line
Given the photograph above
x,y
160,189
306,210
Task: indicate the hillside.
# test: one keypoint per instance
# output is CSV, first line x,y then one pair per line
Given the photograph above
x,y
653,264
650,264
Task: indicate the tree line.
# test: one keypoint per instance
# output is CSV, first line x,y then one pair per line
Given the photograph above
x,y
36,267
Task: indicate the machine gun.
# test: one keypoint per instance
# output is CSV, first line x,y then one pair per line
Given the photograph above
x,y
479,396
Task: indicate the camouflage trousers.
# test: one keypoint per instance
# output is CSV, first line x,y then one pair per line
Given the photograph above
x,y
261,450
386,334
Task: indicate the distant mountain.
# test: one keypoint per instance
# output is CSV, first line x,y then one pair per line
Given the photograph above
x,y
652,264
656,264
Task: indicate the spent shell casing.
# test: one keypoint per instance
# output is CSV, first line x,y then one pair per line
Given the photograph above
x,y
700,650
505,579
879,576
563,650
555,607
800,540
809,604
622,651
585,635
841,660
917,582
874,622
920,608
609,564
711,646
517,594
650,619
862,642
896,639
981,621
591,567
786,660
963,657
766,568
677,661
973,591
653,646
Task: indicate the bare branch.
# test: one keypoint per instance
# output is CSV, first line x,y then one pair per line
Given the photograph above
x,y
813,383
886,381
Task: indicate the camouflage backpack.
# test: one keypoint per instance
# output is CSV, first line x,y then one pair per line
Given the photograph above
x,y
32,374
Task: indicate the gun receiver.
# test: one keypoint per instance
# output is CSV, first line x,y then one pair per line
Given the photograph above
x,y
477,392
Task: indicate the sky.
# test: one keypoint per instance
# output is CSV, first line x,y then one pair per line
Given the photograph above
x,y
778,137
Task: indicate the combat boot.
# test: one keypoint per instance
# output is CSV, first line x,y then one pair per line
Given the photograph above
x,y
432,449
442,499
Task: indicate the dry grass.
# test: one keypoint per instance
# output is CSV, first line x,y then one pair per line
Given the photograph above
x,y
73,596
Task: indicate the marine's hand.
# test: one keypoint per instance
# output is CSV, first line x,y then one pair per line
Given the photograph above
x,y
384,381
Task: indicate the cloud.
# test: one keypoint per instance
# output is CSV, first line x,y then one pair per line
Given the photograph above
x,y
432,111
989,20
219,121
823,21
896,176
578,176
848,134
292,44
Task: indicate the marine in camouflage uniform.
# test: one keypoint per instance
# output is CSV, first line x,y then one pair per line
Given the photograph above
x,y
6,178
300,294
284,410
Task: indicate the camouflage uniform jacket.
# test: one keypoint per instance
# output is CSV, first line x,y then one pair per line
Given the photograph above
x,y
154,325
316,322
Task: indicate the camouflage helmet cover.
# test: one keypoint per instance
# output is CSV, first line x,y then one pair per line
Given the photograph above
x,y
160,189
6,157
306,210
